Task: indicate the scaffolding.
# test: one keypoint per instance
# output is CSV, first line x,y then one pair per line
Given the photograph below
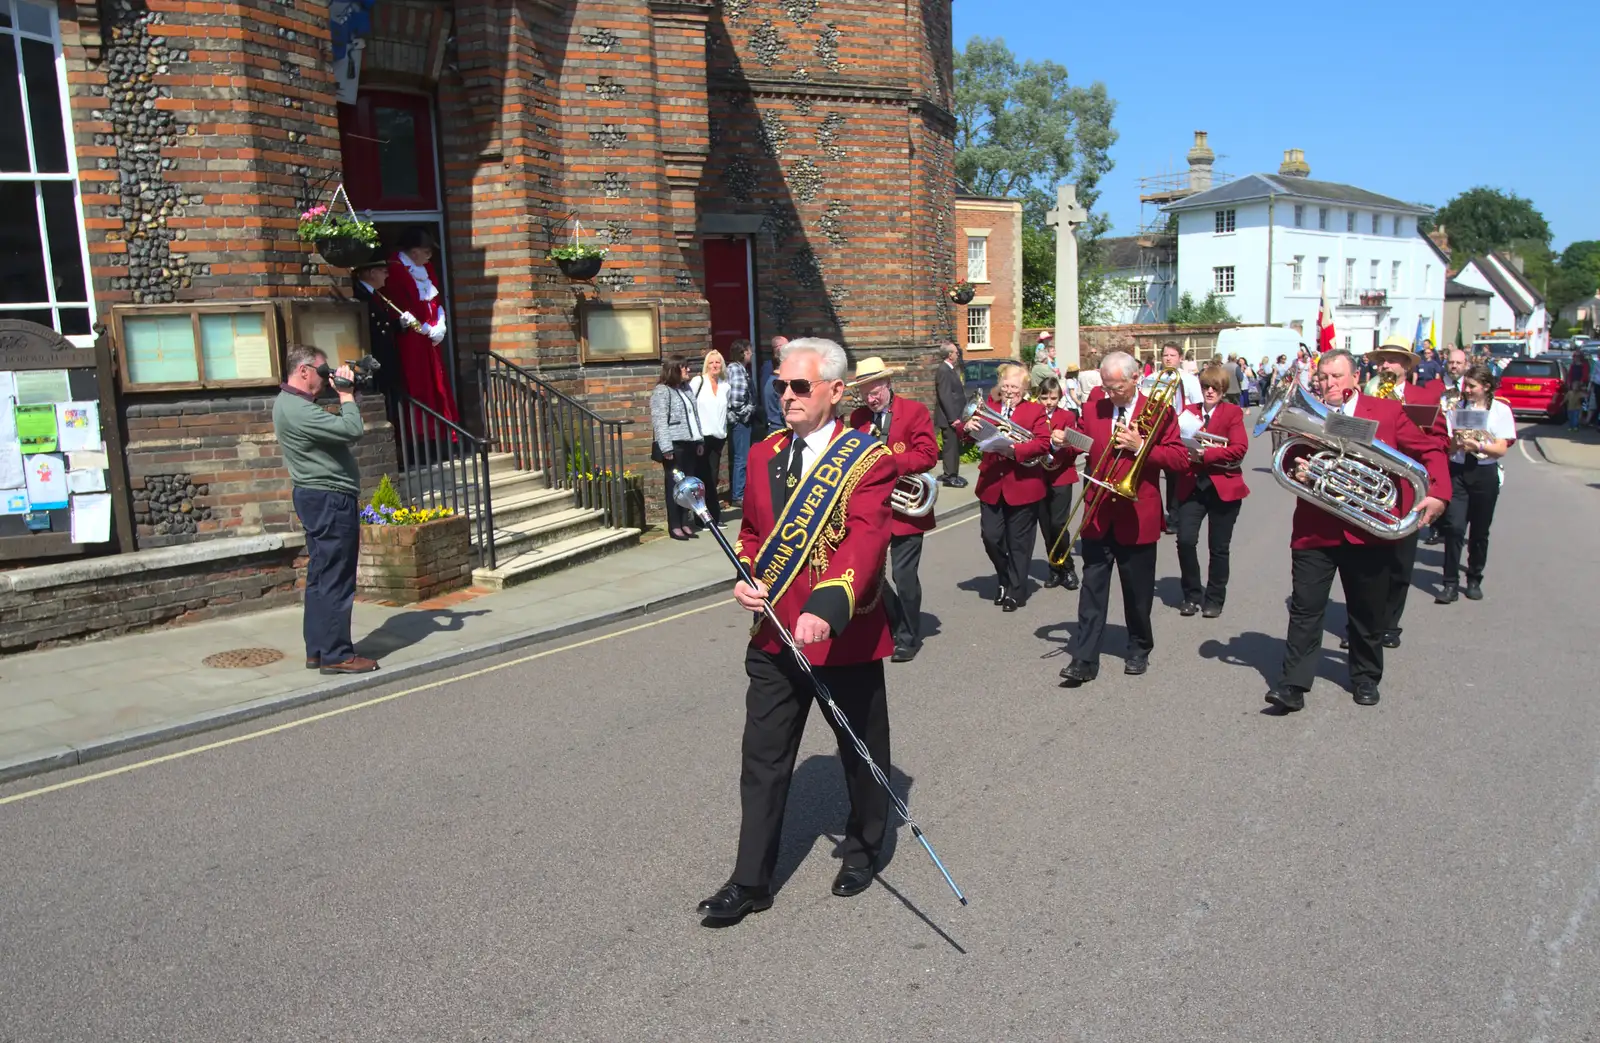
x,y
1158,231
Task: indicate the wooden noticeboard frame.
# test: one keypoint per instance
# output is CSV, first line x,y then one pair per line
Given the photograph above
x,y
29,346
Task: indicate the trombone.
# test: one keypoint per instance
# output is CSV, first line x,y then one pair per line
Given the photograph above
x,y
1147,422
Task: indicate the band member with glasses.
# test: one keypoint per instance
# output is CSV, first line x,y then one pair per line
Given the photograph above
x,y
1322,544
1211,490
814,536
1475,476
1060,473
1120,532
1010,483
905,428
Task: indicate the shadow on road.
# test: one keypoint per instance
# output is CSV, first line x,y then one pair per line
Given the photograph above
x,y
1264,654
818,806
405,629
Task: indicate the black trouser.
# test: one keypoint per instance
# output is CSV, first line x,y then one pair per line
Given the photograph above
x,y
1204,503
951,452
1136,568
1474,491
1054,510
776,705
903,600
1008,535
711,474
1401,565
333,542
686,458
1364,572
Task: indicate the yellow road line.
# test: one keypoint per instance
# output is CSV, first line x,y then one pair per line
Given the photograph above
x,y
375,701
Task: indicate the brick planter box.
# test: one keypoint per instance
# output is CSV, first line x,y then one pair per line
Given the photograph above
x,y
403,564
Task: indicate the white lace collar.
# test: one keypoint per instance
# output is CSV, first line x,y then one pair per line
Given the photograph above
x,y
426,290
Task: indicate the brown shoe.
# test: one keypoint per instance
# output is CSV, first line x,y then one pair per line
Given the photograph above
x,y
354,665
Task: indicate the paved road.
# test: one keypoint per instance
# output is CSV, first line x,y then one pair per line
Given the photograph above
x,y
514,853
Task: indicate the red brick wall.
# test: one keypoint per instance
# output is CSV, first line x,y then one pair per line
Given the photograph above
x,y
1002,219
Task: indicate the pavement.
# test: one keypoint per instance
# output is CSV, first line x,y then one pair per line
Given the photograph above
x,y
1578,449
512,851
67,705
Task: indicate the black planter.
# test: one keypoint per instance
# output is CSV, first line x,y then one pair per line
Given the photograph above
x,y
342,251
963,296
580,267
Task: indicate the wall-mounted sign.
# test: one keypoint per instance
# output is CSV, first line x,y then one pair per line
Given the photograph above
x,y
165,347
624,331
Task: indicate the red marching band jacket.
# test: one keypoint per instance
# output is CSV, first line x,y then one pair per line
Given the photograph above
x,y
1016,479
1315,527
842,583
1060,470
1136,522
912,450
1220,463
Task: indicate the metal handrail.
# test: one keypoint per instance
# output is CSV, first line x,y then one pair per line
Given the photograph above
x,y
545,429
442,464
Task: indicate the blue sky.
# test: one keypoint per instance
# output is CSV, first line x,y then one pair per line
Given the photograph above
x,y
1417,100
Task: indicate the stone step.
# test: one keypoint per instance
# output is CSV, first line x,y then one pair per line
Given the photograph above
x,y
515,537
541,561
527,501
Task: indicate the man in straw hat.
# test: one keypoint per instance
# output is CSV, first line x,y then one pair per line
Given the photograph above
x,y
1395,360
906,430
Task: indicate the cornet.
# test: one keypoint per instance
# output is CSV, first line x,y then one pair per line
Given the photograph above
x,y
978,408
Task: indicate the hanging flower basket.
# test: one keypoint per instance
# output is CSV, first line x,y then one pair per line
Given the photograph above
x,y
962,293
580,268
343,240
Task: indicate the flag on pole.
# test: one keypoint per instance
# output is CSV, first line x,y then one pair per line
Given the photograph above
x,y
1461,343
1433,332
1324,322
1422,331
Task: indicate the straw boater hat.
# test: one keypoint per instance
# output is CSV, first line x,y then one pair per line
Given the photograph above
x,y
870,369
1397,348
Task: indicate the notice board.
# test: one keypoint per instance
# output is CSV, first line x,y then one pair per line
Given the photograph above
x,y
63,476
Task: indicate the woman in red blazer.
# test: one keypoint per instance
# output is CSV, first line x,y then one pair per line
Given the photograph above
x,y
1061,476
1010,484
1212,490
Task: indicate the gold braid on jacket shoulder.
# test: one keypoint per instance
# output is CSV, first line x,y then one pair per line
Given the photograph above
x,y
833,530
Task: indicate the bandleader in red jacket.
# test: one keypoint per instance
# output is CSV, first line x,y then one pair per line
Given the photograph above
x,y
1121,532
1322,544
906,430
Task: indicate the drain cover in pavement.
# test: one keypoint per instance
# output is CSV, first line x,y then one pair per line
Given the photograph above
x,y
235,658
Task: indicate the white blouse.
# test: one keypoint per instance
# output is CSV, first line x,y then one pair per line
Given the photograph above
x,y
1502,424
713,406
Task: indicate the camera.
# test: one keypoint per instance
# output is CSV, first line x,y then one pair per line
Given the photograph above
x,y
365,370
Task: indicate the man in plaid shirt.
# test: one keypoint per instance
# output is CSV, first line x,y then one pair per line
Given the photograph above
x,y
741,407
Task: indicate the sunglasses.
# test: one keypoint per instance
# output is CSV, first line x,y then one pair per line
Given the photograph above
x,y
801,386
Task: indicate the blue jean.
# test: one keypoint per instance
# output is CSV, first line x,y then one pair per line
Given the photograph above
x,y
333,540
738,452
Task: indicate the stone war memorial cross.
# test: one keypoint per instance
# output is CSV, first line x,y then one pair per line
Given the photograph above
x,y
1065,219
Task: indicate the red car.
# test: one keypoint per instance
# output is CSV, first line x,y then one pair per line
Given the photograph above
x,y
1534,387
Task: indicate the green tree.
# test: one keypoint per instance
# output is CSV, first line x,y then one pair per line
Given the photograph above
x,y
1021,130
1483,219
1577,273
1212,311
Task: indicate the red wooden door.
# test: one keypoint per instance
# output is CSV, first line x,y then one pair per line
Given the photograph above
x,y
728,291
387,143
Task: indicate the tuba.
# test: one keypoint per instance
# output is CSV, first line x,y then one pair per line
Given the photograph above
x,y
1356,481
914,495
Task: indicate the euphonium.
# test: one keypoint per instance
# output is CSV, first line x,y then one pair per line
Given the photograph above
x,y
914,495
1157,407
1358,482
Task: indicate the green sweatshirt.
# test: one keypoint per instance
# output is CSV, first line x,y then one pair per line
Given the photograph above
x,y
317,444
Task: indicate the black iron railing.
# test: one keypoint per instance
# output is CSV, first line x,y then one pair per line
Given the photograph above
x,y
545,430
442,464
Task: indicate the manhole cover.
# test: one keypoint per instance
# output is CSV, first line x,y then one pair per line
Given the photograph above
x,y
236,658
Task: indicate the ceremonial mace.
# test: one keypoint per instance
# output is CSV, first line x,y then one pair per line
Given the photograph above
x,y
690,494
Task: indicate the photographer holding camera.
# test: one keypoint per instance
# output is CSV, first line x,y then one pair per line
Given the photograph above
x,y
317,449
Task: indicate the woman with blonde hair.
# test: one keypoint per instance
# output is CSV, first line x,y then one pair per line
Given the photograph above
x,y
710,391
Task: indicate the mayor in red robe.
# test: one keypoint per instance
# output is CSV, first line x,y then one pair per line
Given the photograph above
x,y
414,286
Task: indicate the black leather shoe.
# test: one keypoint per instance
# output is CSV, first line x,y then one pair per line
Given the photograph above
x,y
1366,694
1069,581
1211,612
903,655
1011,604
732,901
956,482
1473,592
1447,595
1287,696
1344,642
1136,665
1052,580
852,880
1391,639
1188,608
1078,672
1000,595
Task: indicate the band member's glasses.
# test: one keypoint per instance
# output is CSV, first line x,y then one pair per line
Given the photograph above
x,y
801,386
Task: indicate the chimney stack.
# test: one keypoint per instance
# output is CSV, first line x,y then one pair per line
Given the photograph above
x,y
1200,160
1294,164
